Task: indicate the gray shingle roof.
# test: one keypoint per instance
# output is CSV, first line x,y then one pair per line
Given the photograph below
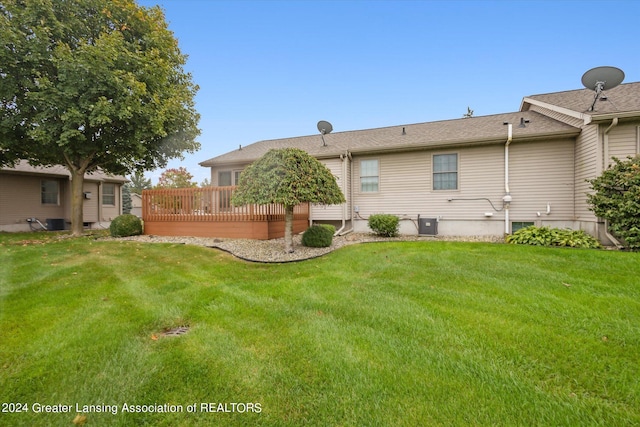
x,y
475,130
621,99
24,167
624,98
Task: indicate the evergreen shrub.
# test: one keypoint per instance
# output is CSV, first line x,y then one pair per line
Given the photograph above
x,y
125,225
318,236
329,227
385,225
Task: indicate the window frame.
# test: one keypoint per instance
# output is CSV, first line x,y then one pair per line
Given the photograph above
x,y
376,176
456,171
234,176
520,225
44,192
107,194
230,173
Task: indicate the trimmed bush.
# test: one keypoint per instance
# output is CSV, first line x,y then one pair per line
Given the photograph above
x,y
125,225
318,236
385,225
329,227
617,199
547,236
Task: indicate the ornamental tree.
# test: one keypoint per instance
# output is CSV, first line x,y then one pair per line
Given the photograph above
x,y
289,177
176,178
92,84
617,199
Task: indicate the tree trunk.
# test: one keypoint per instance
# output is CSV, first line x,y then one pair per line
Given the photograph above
x,y
77,200
288,229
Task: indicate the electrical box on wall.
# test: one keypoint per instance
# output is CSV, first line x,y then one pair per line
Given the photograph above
x,y
427,226
87,194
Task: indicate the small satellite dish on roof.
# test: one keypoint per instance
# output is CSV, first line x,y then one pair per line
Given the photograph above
x,y
602,78
324,127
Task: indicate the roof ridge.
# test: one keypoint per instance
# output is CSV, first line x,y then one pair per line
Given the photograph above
x,y
577,90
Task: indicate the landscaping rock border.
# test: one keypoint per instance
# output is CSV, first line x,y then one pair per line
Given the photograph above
x,y
272,251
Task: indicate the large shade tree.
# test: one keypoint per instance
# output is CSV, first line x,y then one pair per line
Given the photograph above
x,y
287,176
92,84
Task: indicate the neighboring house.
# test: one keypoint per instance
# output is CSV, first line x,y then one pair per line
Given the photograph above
x,y
136,205
464,176
32,197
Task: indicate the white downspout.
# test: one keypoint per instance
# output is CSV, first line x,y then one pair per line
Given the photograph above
x,y
343,178
507,197
613,124
345,158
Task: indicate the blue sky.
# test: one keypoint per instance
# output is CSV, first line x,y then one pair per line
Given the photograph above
x,y
273,69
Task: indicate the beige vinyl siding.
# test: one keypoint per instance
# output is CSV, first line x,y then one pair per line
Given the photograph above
x,y
330,212
109,212
20,199
541,173
406,184
90,206
586,167
623,141
573,121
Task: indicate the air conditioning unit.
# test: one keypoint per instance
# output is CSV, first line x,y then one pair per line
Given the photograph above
x,y
427,226
55,224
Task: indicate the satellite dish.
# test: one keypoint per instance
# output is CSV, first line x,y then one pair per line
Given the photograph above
x,y
324,127
601,78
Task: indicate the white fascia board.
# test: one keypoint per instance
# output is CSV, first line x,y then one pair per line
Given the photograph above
x,y
586,118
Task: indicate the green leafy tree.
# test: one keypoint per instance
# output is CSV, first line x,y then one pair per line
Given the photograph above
x,y
176,178
617,199
289,177
139,183
92,84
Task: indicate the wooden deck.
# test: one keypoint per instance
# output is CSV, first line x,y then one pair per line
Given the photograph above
x,y
207,212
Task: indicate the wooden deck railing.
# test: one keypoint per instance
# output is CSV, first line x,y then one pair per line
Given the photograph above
x,y
208,204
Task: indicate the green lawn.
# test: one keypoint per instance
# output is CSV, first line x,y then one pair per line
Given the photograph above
x,y
380,334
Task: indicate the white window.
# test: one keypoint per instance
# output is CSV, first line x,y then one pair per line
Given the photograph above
x,y
369,176
445,172
224,178
49,192
517,225
109,194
